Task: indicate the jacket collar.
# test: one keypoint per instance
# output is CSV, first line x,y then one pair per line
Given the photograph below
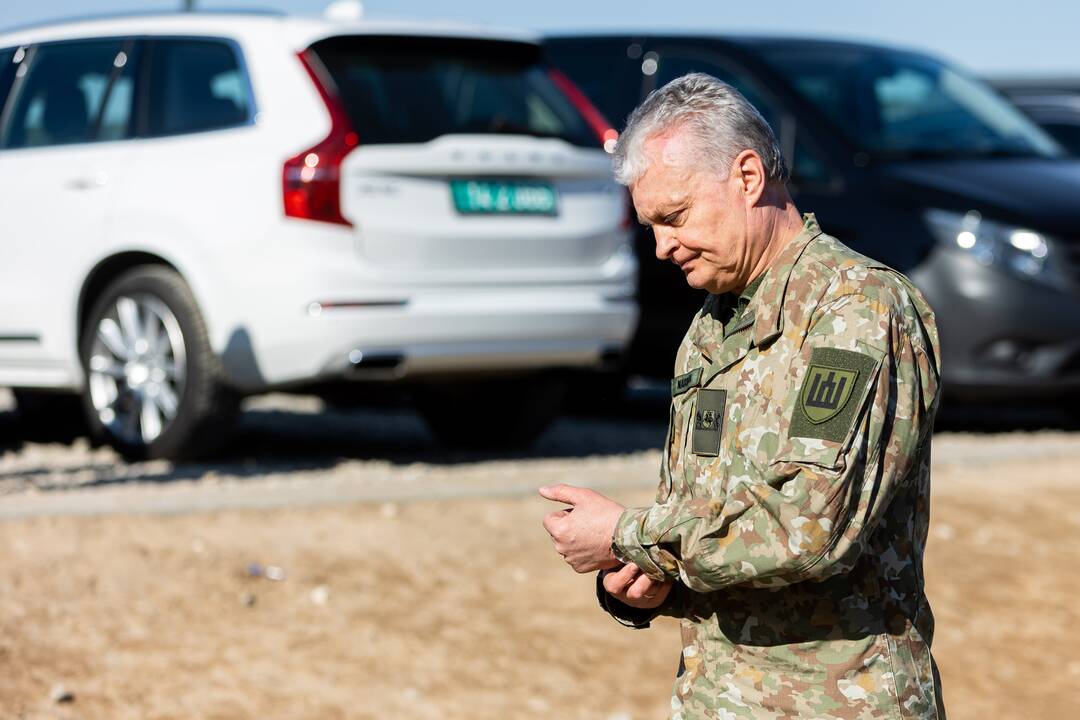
x,y
767,304
764,311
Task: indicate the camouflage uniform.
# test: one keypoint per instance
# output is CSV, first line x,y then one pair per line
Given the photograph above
x,y
793,504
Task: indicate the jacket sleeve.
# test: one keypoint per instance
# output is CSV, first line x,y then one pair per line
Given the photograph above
x,y
810,513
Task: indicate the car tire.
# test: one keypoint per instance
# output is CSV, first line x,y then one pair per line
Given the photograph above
x,y
494,414
597,393
153,384
46,415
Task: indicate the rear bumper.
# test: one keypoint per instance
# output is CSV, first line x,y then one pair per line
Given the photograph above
x,y
432,333
308,304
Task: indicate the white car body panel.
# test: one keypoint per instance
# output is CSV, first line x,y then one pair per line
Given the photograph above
x,y
288,301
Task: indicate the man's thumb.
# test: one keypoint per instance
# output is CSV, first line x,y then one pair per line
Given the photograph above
x,y
561,493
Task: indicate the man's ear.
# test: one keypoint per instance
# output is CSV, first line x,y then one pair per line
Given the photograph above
x,y
749,172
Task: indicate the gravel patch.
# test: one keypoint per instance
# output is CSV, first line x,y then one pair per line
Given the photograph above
x,y
290,451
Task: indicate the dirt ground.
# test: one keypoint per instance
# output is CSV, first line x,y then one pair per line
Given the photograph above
x,y
460,609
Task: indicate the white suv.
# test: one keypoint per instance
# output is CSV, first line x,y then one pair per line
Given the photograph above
x,y
199,207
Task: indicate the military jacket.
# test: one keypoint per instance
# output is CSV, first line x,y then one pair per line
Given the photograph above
x,y
793,503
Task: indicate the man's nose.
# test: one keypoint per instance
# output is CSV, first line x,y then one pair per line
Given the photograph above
x,y
665,242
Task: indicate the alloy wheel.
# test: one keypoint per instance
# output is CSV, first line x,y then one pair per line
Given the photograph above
x,y
137,368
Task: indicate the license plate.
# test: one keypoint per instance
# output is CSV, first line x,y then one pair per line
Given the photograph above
x,y
504,197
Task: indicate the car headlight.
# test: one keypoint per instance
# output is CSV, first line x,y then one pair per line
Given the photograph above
x,y
1022,252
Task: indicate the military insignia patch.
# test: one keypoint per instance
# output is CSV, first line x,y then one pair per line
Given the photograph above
x,y
826,391
831,393
685,381
709,421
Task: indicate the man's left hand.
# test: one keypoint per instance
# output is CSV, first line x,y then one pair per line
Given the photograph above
x,y
632,587
582,533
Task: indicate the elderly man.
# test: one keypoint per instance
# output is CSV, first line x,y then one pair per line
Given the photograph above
x,y
791,517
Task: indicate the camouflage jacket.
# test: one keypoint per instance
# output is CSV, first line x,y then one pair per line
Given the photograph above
x,y
794,497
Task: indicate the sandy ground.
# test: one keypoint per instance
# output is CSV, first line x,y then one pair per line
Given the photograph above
x,y
457,607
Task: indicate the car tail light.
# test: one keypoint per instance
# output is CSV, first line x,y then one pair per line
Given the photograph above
x,y
606,134
311,179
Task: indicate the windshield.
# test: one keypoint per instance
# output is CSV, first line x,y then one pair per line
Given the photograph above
x,y
412,90
898,104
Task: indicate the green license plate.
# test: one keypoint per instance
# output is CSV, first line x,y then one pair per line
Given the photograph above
x,y
503,197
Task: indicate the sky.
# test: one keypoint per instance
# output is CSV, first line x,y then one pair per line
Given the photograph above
x,y
992,37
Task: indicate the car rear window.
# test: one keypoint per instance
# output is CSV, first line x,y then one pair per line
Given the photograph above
x,y
608,71
412,90
195,85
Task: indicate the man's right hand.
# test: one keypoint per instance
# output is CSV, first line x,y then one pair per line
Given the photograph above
x,y
631,587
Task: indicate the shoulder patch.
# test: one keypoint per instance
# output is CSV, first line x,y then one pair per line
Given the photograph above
x,y
831,393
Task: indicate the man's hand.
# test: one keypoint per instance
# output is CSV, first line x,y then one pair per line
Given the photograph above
x,y
632,587
582,532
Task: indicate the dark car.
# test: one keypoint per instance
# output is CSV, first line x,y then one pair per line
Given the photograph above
x,y
906,159
1052,103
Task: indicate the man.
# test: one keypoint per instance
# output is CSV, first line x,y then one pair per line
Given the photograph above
x,y
790,521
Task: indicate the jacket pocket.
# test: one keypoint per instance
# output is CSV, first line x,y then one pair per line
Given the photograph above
x,y
684,390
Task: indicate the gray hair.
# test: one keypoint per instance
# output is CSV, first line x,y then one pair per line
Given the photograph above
x,y
721,122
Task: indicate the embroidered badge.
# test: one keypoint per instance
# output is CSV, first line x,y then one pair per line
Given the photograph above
x,y
826,391
709,421
832,391
685,381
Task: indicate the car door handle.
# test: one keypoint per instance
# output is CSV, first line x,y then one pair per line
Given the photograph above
x,y
99,179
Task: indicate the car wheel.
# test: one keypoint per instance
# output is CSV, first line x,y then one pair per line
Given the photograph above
x,y
598,393
500,413
49,416
153,384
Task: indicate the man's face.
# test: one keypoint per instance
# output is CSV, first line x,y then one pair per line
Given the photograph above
x,y
699,219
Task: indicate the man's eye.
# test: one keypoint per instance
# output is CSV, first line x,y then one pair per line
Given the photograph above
x,y
672,218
